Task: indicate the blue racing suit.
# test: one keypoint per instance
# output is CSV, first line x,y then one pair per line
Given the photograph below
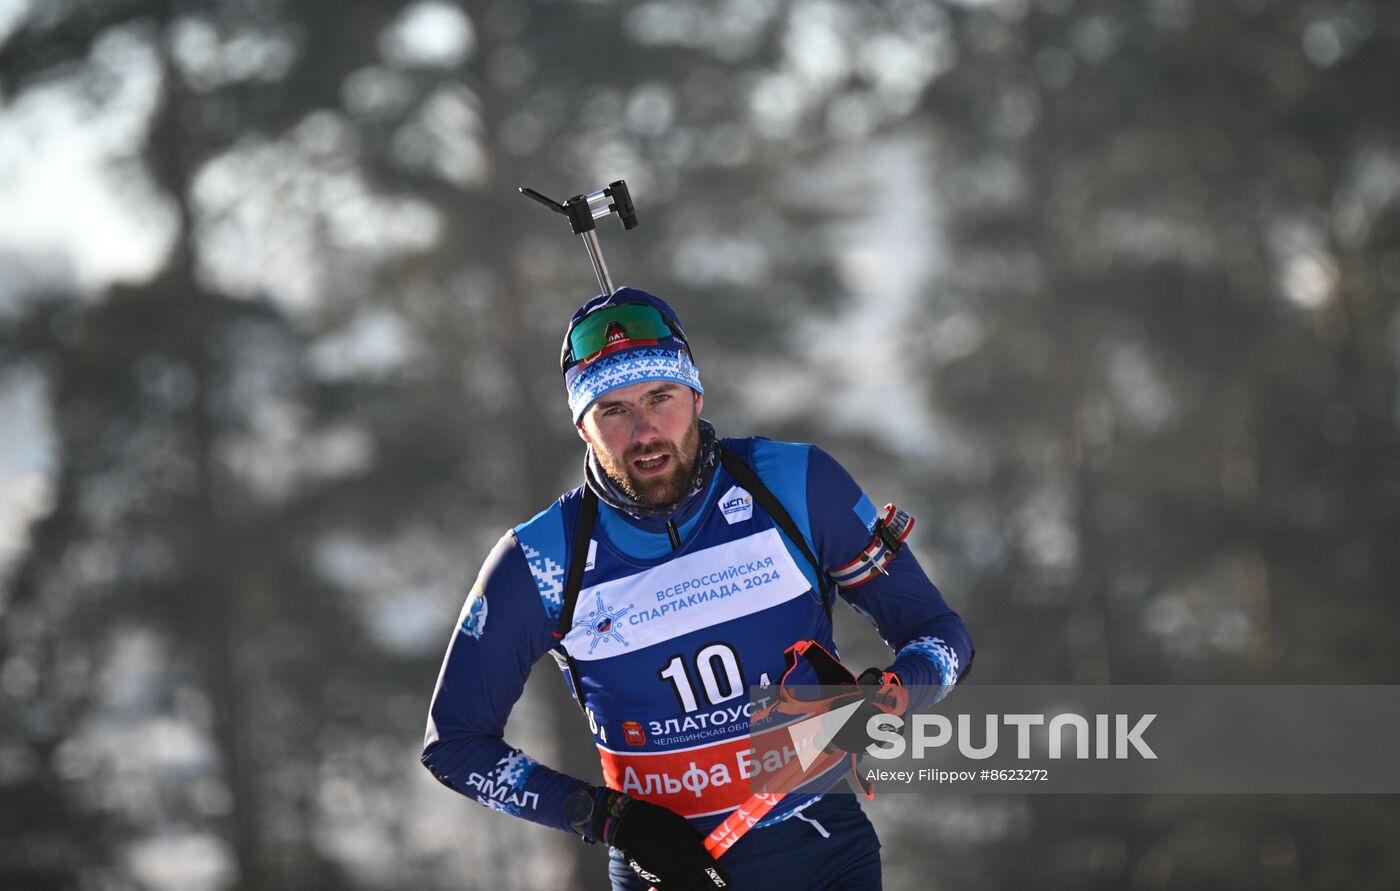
x,y
676,618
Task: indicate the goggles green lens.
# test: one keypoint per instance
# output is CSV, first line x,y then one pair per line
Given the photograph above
x,y
635,321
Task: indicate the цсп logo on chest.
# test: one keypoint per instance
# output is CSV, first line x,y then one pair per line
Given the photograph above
x,y
694,591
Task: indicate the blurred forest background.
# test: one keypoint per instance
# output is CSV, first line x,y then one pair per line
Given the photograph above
x,y
1106,293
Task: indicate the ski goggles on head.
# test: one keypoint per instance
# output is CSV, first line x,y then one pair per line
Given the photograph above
x,y
625,324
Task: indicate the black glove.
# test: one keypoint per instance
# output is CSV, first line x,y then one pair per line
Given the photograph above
x,y
657,843
880,695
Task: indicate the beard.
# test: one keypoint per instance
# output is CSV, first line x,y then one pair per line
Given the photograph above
x,y
663,489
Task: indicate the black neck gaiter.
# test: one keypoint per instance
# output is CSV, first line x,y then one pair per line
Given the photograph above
x,y
610,493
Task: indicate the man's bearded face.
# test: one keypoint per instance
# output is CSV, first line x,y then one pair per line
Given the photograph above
x,y
647,439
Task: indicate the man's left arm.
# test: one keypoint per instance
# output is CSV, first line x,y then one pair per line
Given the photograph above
x,y
878,574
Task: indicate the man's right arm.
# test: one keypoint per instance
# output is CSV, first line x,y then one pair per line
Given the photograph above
x,y
502,632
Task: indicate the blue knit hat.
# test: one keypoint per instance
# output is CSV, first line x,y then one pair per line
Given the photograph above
x,y
626,362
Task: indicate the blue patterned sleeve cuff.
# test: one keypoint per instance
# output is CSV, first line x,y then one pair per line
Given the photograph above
x,y
938,659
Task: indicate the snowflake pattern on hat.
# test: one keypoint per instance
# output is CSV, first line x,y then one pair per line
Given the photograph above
x,y
631,367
